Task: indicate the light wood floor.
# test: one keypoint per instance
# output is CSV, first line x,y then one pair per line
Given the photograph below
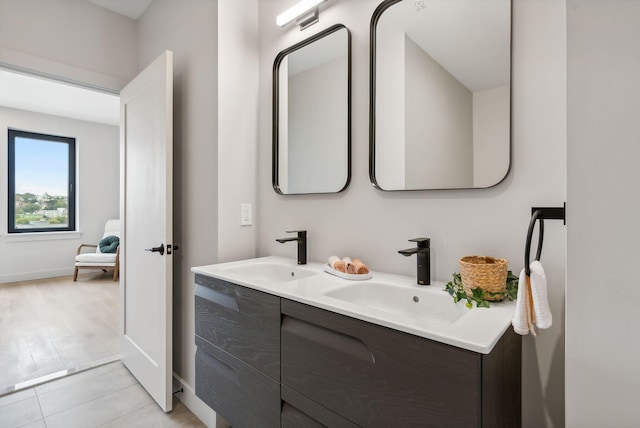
x,y
47,326
106,397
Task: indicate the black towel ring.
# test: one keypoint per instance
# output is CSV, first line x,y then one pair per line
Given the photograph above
x,y
537,215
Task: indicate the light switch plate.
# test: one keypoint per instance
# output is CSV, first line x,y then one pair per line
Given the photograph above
x,y
245,215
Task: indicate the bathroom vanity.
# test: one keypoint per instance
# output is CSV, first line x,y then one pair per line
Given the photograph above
x,y
283,345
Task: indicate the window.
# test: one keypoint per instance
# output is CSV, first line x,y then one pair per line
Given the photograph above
x,y
42,182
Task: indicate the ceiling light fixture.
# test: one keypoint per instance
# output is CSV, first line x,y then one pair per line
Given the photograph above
x,y
305,13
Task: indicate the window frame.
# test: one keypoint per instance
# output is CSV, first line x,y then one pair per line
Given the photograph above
x,y
71,185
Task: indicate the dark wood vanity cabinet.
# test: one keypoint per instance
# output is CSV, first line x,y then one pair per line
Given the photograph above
x,y
299,411
241,321
241,394
379,377
238,352
263,361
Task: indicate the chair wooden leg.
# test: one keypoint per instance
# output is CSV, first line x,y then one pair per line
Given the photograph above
x,y
75,274
116,273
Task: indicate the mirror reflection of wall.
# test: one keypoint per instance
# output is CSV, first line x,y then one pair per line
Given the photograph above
x,y
312,115
441,94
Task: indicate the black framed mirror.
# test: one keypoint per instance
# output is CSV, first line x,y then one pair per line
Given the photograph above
x,y
440,94
312,114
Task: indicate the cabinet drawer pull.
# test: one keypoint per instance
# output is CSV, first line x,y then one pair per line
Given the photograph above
x,y
224,370
335,340
217,297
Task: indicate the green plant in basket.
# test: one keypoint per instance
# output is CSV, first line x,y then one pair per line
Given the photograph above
x,y
455,289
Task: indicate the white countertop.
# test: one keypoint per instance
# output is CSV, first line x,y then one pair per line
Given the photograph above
x,y
477,329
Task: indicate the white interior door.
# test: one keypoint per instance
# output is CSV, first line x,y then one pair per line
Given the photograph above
x,y
146,207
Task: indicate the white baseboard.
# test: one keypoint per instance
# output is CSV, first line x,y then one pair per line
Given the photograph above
x,y
196,405
29,276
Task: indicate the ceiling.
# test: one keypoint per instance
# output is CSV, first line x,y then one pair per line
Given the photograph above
x,y
131,8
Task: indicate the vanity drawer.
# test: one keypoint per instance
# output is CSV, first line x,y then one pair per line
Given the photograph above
x,y
300,412
375,376
241,394
241,321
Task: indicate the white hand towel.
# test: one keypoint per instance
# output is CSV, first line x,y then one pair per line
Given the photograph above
x,y
539,294
520,318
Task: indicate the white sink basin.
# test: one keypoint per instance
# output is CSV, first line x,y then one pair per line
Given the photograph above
x,y
388,300
423,303
269,272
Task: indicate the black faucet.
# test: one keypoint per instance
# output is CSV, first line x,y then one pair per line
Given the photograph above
x,y
302,244
424,259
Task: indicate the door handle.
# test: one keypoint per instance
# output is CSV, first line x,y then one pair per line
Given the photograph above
x,y
159,249
172,248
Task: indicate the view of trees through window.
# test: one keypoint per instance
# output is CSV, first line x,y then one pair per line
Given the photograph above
x,y
41,182
41,209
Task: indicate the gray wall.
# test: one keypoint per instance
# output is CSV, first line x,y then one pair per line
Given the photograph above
x,y
364,222
237,125
603,149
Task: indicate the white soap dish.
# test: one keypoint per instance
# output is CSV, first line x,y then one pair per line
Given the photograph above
x,y
349,276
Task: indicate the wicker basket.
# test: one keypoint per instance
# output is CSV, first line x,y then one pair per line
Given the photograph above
x,y
486,273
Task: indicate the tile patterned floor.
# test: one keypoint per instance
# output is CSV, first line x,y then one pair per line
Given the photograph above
x,y
107,397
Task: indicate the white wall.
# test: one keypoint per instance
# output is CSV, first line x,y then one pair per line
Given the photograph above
x,y
97,150
374,225
603,149
68,38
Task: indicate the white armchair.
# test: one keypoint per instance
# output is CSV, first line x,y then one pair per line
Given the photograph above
x,y
97,259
